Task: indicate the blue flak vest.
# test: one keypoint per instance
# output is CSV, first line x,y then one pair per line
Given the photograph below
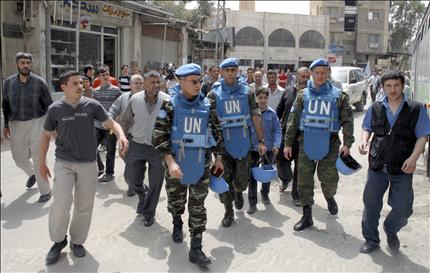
x,y
319,119
172,91
232,107
191,136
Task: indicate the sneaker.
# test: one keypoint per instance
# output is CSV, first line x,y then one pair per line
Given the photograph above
x,y
107,178
31,181
55,251
78,250
45,197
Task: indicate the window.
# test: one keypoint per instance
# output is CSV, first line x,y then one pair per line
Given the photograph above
x,y
333,12
358,75
349,24
373,40
373,16
312,39
282,38
245,62
335,38
249,36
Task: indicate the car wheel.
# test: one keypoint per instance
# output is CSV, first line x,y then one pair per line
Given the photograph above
x,y
359,106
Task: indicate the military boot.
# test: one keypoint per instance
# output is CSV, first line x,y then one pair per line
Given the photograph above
x,y
306,220
332,205
238,200
177,234
196,255
228,219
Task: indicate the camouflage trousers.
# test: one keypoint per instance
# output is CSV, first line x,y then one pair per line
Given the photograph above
x,y
177,198
236,174
326,171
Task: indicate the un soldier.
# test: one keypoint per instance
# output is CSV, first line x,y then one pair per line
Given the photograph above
x,y
236,108
186,132
319,111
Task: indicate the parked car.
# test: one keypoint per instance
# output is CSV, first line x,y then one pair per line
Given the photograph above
x,y
353,83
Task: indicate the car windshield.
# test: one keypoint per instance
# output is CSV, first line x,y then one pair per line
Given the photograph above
x,y
340,75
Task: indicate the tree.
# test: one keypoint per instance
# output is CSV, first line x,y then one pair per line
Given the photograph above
x,y
405,18
195,16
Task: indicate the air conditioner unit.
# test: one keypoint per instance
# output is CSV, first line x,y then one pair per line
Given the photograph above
x,y
373,45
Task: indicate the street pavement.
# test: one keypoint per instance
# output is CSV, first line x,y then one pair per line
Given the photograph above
x,y
264,241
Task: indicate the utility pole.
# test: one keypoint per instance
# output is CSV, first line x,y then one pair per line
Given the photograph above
x,y
220,24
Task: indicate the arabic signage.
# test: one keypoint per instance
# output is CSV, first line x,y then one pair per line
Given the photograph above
x,y
98,12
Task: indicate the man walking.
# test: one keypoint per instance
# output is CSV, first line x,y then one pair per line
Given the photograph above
x,y
320,110
26,98
118,108
187,133
400,129
138,120
276,92
283,111
71,121
236,108
106,94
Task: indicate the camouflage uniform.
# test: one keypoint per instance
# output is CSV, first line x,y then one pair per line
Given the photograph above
x,y
326,168
236,171
176,192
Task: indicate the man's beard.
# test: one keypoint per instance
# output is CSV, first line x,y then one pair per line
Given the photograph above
x,y
24,73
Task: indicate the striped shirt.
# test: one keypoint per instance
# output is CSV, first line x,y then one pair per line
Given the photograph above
x,y
124,82
106,95
25,101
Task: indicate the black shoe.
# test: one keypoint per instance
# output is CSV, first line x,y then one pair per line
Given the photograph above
x,y
228,220
106,178
283,186
31,181
392,240
148,221
45,197
196,254
100,173
252,209
368,247
306,220
296,202
140,205
55,251
332,206
238,200
266,199
177,234
78,250
130,192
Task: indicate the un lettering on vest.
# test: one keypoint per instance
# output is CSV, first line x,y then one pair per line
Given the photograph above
x,y
322,108
192,125
232,106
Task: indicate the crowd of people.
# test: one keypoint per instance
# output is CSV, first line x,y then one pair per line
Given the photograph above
x,y
197,130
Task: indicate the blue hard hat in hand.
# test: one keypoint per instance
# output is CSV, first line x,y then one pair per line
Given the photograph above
x,y
347,165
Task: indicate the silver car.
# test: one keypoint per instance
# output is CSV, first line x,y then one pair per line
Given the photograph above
x,y
353,83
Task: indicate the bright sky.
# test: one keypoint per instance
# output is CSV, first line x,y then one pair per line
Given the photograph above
x,y
298,7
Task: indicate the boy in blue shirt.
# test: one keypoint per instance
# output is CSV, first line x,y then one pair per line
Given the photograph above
x,y
272,136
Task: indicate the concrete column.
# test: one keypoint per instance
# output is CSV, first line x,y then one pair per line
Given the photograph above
x,y
137,36
184,53
126,46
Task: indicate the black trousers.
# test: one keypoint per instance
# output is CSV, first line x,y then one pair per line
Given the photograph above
x,y
110,150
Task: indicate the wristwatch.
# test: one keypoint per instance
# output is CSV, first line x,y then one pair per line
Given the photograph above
x,y
262,141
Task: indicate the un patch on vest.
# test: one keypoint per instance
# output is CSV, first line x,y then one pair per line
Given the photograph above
x,y
162,114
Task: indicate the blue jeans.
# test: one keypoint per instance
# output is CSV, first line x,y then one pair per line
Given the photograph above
x,y
400,199
265,187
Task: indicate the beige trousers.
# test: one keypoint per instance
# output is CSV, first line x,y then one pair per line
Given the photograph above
x,y
73,183
25,145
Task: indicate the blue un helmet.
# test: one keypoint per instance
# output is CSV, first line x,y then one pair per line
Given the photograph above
x,y
265,173
217,184
347,165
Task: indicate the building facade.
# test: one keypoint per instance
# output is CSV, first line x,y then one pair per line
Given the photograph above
x,y
358,30
67,35
275,40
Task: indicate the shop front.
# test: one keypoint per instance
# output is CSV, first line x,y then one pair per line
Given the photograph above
x,y
86,32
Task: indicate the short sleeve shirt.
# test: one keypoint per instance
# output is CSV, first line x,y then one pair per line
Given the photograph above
x,y
76,139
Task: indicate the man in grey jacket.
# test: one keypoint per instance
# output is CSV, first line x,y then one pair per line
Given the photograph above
x,y
119,106
138,120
